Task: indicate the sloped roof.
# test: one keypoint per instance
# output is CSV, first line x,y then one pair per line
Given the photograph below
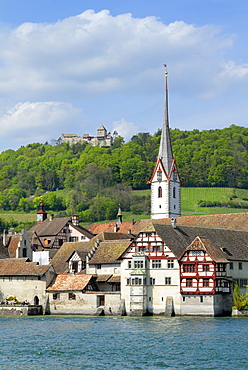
x,y
60,259
234,221
82,230
109,251
125,227
101,278
234,241
69,282
50,227
205,244
21,267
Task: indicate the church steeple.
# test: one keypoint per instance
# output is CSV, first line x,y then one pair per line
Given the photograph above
x,y
165,150
165,182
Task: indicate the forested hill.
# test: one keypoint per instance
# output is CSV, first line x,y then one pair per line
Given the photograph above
x,y
204,158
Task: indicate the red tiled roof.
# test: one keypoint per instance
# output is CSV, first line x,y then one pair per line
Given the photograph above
x,y
233,221
21,267
69,282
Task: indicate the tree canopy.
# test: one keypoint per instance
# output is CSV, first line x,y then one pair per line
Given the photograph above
x,y
94,176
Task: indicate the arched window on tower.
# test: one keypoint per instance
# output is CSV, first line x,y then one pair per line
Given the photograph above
x,y
159,192
174,192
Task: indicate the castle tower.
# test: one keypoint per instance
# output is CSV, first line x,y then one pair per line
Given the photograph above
x,y
165,181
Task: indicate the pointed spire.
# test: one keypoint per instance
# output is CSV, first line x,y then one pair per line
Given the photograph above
x,y
165,149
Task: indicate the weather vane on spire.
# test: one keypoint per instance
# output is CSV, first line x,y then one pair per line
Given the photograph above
x,y
166,73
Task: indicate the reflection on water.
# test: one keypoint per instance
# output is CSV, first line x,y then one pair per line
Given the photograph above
x,y
123,343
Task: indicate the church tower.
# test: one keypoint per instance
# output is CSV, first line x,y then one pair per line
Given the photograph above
x,y
165,181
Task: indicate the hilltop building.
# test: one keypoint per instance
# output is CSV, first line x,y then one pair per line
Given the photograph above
x,y
102,138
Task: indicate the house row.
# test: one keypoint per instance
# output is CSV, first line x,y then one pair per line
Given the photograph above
x,y
164,269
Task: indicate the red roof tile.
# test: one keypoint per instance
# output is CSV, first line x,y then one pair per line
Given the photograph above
x,y
69,282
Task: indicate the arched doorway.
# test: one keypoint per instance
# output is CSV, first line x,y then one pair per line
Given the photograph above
x,y
36,300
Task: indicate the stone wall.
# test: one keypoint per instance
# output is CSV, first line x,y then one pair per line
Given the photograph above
x,y
18,310
90,303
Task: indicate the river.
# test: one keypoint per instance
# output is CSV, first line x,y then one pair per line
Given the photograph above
x,y
96,343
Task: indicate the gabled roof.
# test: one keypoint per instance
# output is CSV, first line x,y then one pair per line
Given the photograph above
x,y
124,228
21,267
60,259
178,239
50,227
82,230
206,245
109,251
69,282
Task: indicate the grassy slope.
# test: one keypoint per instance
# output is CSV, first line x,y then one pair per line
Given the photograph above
x,y
189,199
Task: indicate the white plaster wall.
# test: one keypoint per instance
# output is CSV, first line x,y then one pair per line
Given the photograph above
x,y
23,288
85,303
212,305
106,269
238,274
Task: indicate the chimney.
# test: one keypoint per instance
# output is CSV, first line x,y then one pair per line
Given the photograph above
x,y
115,228
174,223
4,238
50,217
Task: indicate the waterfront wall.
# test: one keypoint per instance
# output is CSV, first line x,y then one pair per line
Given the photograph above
x,y
236,312
19,310
90,303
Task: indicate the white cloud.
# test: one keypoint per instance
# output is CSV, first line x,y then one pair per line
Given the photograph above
x,y
95,53
37,122
80,61
125,129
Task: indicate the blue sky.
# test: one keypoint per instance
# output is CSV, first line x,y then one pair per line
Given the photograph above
x,y
70,66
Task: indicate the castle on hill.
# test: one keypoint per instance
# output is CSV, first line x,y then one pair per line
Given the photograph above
x,y
102,138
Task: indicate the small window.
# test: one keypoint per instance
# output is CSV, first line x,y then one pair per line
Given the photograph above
x,y
201,298
240,266
174,192
82,237
189,283
56,296
196,253
168,281
98,266
24,252
183,299
205,283
205,268
129,264
61,241
231,265
189,267
138,264
159,192
156,264
170,264
72,296
128,281
152,281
